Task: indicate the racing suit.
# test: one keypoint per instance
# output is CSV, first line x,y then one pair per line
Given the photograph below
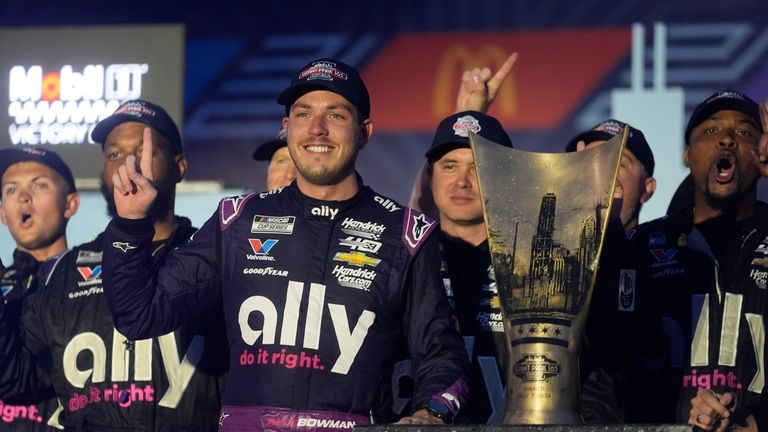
x,y
105,382
469,281
316,296
470,285
39,411
702,296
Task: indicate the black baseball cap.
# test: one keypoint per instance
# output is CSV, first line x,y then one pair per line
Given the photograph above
x,y
137,110
265,151
51,159
332,75
723,100
636,142
453,132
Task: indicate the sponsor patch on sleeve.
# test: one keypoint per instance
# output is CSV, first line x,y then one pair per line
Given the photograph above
x,y
231,208
626,290
416,228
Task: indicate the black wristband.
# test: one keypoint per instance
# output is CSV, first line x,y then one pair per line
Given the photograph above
x,y
436,409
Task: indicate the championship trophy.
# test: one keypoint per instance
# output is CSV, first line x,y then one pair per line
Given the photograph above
x,y
546,215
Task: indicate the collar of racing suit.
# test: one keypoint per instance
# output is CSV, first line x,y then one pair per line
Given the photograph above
x,y
319,209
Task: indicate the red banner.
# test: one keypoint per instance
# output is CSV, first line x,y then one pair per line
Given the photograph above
x,y
414,81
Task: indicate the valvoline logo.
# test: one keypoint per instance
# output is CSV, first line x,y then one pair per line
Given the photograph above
x,y
90,273
262,247
664,255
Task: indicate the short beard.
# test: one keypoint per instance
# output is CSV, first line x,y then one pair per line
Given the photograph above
x,y
725,204
327,177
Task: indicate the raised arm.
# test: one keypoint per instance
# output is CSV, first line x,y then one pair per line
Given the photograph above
x,y
479,86
148,300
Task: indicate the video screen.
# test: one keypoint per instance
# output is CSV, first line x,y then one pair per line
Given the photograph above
x,y
56,83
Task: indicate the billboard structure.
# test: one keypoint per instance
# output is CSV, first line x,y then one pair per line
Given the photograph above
x,y
56,83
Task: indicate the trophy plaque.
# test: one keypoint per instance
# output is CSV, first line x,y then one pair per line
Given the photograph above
x,y
546,215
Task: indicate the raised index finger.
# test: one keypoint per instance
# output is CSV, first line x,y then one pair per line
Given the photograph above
x,y
503,72
146,154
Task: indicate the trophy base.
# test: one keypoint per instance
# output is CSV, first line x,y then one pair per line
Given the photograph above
x,y
530,417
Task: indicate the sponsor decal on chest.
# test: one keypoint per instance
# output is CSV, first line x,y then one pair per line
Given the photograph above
x,y
273,224
89,282
8,282
489,314
90,273
762,248
664,263
361,246
359,278
261,249
357,259
88,257
358,228
758,271
664,260
388,204
324,211
291,349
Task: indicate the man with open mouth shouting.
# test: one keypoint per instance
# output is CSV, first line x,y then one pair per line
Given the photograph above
x,y
702,282
37,199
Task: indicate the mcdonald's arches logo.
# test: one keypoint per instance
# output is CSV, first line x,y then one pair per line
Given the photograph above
x,y
414,80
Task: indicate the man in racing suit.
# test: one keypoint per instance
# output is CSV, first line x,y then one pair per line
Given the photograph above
x,y
38,198
701,290
320,279
467,272
105,382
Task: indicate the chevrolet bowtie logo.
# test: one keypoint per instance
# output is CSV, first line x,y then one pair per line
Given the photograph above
x,y
358,259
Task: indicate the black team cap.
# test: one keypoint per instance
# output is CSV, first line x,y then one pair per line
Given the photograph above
x,y
453,132
52,160
723,100
138,110
332,75
636,142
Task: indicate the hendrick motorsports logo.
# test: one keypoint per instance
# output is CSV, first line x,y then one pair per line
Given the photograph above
x,y
536,367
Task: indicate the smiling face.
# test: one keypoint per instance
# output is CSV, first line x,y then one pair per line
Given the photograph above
x,y
36,205
456,191
722,156
324,136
